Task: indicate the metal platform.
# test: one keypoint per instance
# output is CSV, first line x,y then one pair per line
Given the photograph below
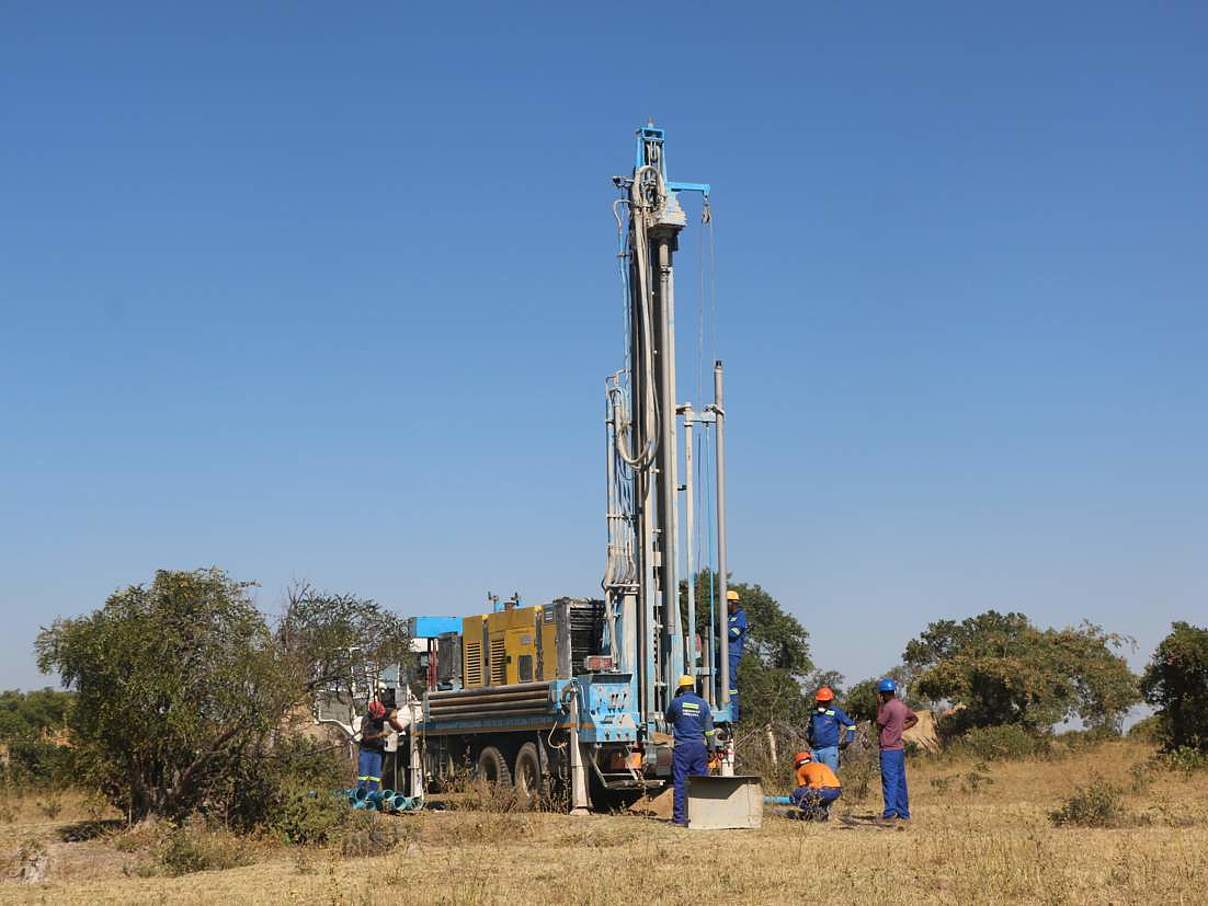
x,y
716,803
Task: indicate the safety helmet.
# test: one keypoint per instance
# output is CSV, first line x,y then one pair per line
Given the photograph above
x,y
377,710
802,758
825,694
687,682
887,685
731,595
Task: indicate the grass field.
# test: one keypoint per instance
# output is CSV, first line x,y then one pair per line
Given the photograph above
x,y
980,834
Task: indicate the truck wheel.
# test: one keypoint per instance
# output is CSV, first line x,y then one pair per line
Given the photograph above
x,y
530,784
493,768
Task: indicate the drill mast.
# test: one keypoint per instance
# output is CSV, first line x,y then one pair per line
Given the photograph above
x,y
647,634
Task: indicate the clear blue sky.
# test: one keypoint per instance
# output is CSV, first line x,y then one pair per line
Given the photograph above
x,y
328,292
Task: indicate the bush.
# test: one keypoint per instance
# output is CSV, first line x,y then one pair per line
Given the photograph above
x,y
1184,759
304,816
369,834
1148,729
1083,740
1000,743
270,789
192,847
1099,804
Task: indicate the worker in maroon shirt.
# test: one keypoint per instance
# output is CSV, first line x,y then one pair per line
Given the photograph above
x,y
893,718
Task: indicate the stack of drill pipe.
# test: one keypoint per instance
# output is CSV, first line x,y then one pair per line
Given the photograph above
x,y
492,701
380,800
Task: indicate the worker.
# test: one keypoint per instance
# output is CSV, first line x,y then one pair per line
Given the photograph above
x,y
372,746
817,787
738,640
691,724
893,719
829,728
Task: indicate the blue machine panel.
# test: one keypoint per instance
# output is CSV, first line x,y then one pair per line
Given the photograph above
x,y
608,712
431,627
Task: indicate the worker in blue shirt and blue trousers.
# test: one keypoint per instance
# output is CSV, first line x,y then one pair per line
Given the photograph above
x,y
737,642
829,729
691,724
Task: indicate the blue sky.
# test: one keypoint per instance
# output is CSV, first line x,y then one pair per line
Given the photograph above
x,y
322,292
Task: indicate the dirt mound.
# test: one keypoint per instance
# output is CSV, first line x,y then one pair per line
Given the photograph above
x,y
923,733
661,805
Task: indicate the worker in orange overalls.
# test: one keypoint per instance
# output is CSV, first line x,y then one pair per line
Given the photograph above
x,y
817,787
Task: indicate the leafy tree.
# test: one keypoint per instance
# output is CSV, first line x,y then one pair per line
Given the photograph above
x,y
172,680
329,639
861,700
777,660
1176,683
819,678
860,703
1004,670
29,723
185,694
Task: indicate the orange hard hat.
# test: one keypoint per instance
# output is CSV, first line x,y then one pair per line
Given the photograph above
x,y
825,694
802,758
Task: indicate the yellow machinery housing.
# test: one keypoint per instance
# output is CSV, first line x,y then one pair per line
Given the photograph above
x,y
528,644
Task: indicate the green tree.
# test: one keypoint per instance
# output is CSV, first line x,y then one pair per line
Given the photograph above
x,y
832,678
861,701
777,661
29,723
1004,670
329,639
186,696
1176,683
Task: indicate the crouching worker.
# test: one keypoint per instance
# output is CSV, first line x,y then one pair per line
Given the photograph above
x,y
692,728
817,787
372,747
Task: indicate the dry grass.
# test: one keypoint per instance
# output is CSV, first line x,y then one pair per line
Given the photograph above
x,y
990,843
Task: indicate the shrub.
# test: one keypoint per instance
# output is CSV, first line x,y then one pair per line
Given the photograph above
x,y
975,779
52,805
1098,804
192,847
857,778
369,834
1185,759
305,816
1082,740
286,789
1000,743
1148,729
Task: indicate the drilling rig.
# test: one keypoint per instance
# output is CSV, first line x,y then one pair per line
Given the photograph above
x,y
566,699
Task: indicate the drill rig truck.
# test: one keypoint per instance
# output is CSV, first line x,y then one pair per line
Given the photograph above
x,y
565,700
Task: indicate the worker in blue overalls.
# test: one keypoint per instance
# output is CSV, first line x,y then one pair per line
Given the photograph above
x,y
691,724
737,642
829,729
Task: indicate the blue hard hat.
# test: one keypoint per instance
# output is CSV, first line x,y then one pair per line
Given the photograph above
x,y
887,685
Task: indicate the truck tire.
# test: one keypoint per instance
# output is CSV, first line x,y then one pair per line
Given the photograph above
x,y
493,768
530,782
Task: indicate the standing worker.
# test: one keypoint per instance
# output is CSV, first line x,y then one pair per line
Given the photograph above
x,y
737,642
829,729
692,728
893,719
817,787
372,746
